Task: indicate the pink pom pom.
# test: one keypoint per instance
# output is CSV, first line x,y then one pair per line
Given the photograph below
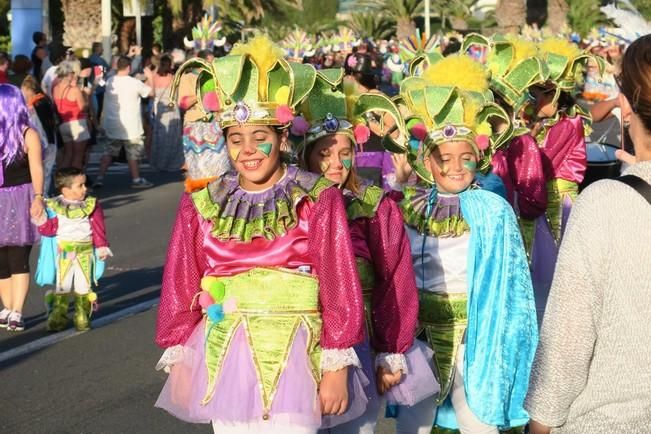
x,y
284,114
205,300
419,131
184,103
482,142
362,133
300,126
211,102
230,305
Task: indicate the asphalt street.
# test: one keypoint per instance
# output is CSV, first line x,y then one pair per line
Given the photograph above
x,y
103,380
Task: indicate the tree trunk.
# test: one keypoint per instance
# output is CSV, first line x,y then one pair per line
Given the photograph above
x,y
510,15
83,23
405,27
127,35
556,15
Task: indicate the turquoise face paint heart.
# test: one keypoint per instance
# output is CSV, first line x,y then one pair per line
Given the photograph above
x,y
470,166
265,148
347,163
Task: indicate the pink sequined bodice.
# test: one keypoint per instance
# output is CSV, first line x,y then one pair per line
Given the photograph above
x,y
288,251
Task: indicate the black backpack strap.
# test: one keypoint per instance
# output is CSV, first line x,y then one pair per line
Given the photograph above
x,y
638,184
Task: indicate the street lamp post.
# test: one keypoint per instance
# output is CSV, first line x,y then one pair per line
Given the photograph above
x,y
427,14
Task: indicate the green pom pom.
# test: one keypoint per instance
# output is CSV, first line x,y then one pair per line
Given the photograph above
x,y
413,122
217,291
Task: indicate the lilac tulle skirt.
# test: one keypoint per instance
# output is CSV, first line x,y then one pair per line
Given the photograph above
x,y
544,253
17,228
237,394
362,391
420,383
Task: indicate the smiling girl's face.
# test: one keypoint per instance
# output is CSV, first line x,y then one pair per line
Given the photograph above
x,y
453,166
332,156
255,153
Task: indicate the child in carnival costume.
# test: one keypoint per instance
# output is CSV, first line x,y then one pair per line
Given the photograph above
x,y
559,129
514,69
477,309
73,250
333,125
261,303
203,142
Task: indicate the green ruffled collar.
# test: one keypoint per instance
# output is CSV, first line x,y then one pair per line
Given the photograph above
x,y
365,203
240,215
72,210
445,219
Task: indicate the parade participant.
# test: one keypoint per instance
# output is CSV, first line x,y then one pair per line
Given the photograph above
x,y
21,195
560,134
261,303
203,141
333,126
476,301
73,257
514,69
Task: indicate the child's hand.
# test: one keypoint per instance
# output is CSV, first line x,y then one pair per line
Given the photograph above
x,y
386,379
103,253
333,392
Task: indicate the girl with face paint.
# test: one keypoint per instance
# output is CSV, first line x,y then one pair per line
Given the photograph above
x,y
560,135
396,367
476,306
261,305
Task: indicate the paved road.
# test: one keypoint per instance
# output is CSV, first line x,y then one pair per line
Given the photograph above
x,y
103,380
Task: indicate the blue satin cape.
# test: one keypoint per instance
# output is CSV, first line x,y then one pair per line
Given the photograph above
x,y
502,331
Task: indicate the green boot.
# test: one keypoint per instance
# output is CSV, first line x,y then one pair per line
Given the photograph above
x,y
58,318
82,312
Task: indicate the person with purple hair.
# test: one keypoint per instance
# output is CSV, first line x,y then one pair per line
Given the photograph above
x,y
21,197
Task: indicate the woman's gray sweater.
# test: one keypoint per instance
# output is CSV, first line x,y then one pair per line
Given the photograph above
x,y
592,371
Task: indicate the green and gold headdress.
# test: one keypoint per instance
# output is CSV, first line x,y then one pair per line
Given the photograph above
x,y
334,107
514,67
566,63
452,106
254,84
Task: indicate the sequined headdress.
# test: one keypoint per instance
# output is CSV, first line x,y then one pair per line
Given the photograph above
x,y
566,63
205,35
254,84
452,107
514,67
333,107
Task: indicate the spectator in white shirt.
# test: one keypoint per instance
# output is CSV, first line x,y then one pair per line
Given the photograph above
x,y
122,122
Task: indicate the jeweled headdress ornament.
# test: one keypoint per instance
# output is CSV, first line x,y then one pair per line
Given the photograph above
x,y
254,84
452,107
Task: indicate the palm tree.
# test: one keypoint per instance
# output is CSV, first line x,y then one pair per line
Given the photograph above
x,y
402,12
585,15
371,25
557,15
510,15
83,22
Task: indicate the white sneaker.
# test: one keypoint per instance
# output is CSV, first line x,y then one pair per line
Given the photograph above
x,y
4,318
141,183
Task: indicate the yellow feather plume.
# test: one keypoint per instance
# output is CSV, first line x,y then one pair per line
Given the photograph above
x,y
523,49
265,54
561,47
460,71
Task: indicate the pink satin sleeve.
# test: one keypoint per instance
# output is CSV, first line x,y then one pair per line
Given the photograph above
x,y
184,268
98,227
340,292
520,167
395,296
564,154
